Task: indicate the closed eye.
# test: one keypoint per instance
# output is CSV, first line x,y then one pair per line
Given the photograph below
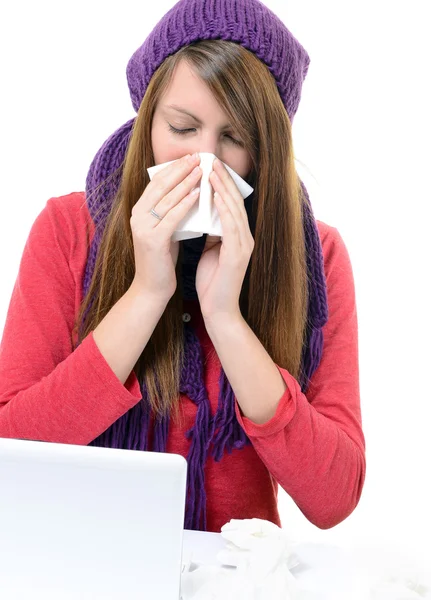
x,y
185,131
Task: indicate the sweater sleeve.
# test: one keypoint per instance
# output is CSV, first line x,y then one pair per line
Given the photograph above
x,y
314,446
48,391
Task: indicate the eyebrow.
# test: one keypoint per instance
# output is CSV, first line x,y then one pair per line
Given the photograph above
x,y
186,112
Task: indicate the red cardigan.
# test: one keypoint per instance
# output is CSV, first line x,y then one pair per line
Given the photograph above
x,y
313,447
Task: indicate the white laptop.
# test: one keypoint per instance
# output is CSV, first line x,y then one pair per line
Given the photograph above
x,y
87,523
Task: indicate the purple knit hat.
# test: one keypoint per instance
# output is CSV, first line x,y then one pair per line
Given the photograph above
x,y
251,24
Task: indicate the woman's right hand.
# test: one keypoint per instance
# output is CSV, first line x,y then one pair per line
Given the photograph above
x,y
156,255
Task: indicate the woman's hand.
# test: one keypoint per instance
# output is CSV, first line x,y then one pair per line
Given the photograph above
x,y
223,264
169,192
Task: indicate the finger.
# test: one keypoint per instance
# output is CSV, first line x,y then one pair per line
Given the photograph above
x,y
165,183
168,202
176,214
225,177
240,221
231,233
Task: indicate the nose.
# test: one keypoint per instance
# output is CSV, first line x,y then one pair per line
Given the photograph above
x,y
209,143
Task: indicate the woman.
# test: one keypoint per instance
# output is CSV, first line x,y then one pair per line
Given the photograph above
x,y
240,354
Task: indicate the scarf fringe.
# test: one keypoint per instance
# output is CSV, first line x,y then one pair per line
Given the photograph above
x,y
130,431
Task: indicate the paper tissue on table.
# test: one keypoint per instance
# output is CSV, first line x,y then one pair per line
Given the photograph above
x,y
255,565
256,558
203,216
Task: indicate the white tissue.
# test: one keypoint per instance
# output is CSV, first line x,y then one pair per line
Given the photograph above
x,y
255,566
260,556
203,216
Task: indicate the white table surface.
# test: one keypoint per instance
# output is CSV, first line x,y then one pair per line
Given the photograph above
x,y
330,572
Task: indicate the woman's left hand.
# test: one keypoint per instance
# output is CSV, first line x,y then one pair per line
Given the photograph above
x,y
223,264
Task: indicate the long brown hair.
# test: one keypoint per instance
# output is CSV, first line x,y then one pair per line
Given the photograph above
x,y
274,295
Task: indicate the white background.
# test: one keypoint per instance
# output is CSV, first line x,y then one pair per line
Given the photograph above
x,y
361,138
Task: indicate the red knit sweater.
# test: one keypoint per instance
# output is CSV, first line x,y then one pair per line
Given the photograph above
x,y
313,447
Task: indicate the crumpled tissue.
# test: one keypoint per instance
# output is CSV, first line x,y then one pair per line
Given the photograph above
x,y
258,557
255,564
203,216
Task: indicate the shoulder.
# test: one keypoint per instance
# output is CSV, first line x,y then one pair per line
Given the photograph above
x,y
70,207
335,254
70,218
329,235
65,225
340,285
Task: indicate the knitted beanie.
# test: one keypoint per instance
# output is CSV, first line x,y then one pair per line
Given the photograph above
x,y
251,24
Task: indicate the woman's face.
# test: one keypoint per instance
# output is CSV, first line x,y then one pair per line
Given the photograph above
x,y
209,130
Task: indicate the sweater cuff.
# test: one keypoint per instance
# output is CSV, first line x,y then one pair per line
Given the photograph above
x,y
286,409
132,385
128,393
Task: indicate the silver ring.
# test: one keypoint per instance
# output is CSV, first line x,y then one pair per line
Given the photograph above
x,y
153,212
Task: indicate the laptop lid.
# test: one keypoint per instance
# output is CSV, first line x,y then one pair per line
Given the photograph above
x,y
87,522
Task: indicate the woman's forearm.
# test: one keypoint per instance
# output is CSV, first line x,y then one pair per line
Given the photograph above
x,y
253,375
124,332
